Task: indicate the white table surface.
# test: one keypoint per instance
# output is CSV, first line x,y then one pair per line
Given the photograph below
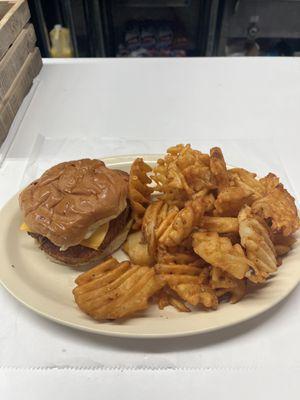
x,y
176,100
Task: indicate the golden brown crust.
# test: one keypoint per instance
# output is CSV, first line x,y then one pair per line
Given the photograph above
x,y
218,168
280,207
71,196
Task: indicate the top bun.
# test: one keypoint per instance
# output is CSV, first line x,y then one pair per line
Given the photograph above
x,y
71,196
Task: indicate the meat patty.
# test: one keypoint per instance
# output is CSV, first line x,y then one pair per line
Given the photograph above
x,y
78,255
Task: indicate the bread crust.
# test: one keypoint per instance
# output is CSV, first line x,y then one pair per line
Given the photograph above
x,y
71,197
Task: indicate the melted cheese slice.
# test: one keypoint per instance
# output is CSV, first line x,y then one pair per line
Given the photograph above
x,y
93,242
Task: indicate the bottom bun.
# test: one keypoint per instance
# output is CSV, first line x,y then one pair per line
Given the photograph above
x,y
82,256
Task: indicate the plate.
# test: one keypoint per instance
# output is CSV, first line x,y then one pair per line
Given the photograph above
x,y
46,287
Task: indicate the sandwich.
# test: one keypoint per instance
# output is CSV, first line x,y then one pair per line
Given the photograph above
x,y
77,211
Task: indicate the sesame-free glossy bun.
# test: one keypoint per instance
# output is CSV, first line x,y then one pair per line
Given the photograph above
x,y
70,197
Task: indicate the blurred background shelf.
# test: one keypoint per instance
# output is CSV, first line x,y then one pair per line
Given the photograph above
x,y
99,28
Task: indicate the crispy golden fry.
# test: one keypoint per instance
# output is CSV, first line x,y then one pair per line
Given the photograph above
x,y
184,269
188,155
118,292
196,169
183,223
270,182
167,297
196,294
178,255
255,238
283,244
246,180
171,183
107,265
204,276
230,200
182,173
190,289
219,224
149,225
158,216
234,237
279,206
219,252
205,234
173,279
178,304
161,298
137,250
218,168
224,283
139,191
209,201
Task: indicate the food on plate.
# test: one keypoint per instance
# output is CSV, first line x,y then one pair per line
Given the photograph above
x,y
185,281
166,297
283,244
158,217
218,168
219,252
230,200
115,290
78,211
278,206
183,223
137,250
182,173
219,224
139,190
246,180
270,182
223,283
256,240
203,233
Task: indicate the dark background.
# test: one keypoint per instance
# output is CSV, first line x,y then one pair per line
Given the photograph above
x,y
100,28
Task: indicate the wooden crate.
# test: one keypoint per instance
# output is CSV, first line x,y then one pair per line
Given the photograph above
x,y
20,87
15,58
20,60
15,14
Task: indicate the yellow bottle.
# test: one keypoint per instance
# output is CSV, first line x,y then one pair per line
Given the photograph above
x,y
61,42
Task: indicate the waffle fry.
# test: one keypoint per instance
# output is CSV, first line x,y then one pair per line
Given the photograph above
x,y
219,252
139,190
230,200
269,182
247,180
219,224
183,223
218,168
116,292
175,269
167,297
224,283
279,206
158,216
178,255
201,235
196,294
182,173
255,238
283,244
189,288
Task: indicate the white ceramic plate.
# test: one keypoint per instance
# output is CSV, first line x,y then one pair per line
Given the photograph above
x,y
46,287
